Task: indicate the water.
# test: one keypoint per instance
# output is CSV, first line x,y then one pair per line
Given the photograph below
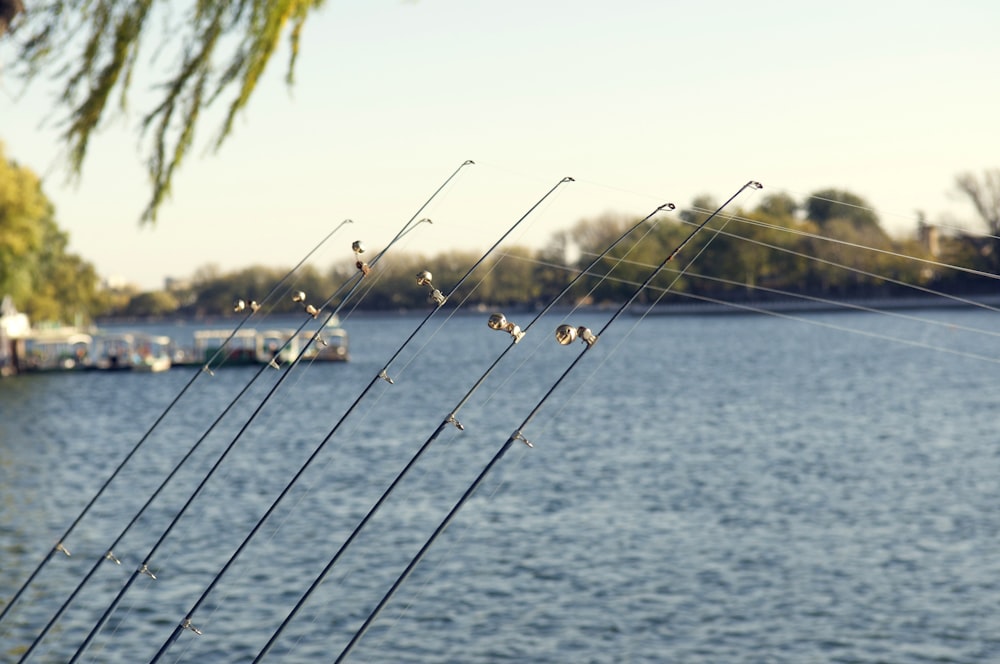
x,y
702,489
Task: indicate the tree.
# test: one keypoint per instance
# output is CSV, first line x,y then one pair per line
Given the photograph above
x,y
44,280
510,279
92,47
23,207
155,303
779,205
64,286
984,194
829,204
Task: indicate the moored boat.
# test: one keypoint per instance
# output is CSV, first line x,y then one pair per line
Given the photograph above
x,y
131,352
250,346
56,349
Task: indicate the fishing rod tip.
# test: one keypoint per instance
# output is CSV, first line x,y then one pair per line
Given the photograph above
x,y
667,206
754,184
468,162
568,179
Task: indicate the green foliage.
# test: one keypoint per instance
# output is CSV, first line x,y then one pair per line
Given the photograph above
x,y
778,206
91,47
44,280
153,304
825,206
763,253
23,207
510,279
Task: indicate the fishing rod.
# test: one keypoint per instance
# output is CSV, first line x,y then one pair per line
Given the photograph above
x,y
363,269
438,299
144,569
498,322
565,335
813,302
250,308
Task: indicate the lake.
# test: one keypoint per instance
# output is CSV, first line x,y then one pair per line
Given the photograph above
x,y
735,488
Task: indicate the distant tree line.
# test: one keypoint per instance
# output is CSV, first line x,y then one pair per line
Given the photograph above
x,y
830,245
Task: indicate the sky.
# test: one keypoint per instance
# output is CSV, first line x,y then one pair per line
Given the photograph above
x,y
641,102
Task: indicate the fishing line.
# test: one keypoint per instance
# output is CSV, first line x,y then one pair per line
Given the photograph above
x,y
438,299
250,309
600,278
663,291
496,322
565,334
299,499
750,308
966,231
920,222
874,335
457,541
143,569
866,273
322,471
492,267
793,194
833,304
357,278
423,279
565,402
678,274
435,297
662,268
801,195
814,259
824,261
300,297
856,245
363,270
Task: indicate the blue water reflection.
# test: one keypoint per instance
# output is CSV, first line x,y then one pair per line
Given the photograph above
x,y
702,489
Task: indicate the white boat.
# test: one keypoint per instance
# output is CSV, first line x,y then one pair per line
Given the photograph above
x,y
132,352
250,346
55,349
330,346
240,349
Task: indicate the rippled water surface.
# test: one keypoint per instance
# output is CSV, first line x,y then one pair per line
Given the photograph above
x,y
702,489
